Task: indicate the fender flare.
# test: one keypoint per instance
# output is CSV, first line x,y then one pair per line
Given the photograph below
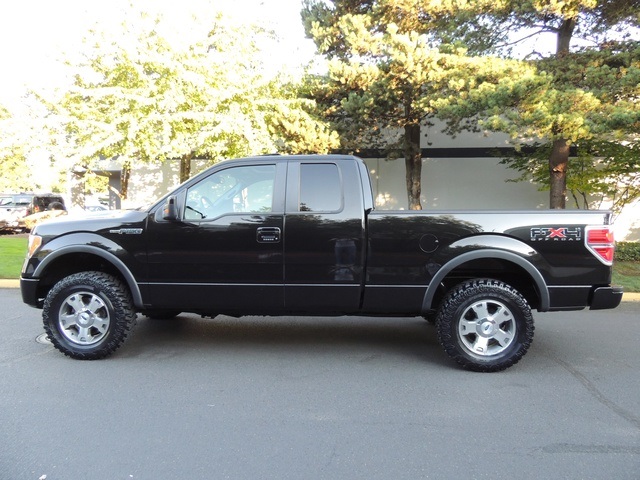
x,y
487,253
109,257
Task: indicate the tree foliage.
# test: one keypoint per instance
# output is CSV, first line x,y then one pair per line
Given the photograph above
x,y
13,172
19,142
458,67
582,95
143,99
602,173
386,81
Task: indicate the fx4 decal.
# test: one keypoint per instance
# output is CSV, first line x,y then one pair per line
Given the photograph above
x,y
561,234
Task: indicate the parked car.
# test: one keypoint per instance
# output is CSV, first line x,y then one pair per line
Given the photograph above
x,y
14,207
95,208
41,202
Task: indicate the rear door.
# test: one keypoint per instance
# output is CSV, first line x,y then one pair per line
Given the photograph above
x,y
324,229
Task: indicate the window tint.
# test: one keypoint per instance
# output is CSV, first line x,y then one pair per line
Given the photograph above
x,y
320,188
233,190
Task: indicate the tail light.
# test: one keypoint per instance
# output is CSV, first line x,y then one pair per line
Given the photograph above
x,y
600,241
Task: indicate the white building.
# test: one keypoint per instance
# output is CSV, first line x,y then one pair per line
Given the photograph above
x,y
457,174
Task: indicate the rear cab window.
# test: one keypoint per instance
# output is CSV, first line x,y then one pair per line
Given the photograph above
x,y
320,188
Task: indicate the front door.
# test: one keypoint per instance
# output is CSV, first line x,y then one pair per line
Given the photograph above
x,y
226,254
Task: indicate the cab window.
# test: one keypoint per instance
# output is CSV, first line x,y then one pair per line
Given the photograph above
x,y
320,188
243,189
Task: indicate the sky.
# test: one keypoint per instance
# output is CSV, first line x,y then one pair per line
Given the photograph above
x,y
36,35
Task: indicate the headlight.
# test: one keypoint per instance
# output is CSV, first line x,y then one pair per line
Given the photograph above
x,y
34,243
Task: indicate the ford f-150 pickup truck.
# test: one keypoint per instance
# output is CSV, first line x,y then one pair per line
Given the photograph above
x,y
299,235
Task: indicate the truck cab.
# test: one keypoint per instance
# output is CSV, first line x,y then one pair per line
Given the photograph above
x,y
233,224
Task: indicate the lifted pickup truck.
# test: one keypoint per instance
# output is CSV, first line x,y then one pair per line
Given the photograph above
x,y
299,235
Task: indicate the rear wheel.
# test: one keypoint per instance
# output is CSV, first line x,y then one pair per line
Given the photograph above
x,y
485,325
88,315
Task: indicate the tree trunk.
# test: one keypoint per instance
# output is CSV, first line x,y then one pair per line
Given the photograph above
x,y
558,163
565,32
413,162
124,179
185,167
559,159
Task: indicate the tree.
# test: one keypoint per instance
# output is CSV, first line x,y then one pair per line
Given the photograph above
x,y
373,85
142,99
13,172
20,139
592,93
601,172
383,79
573,95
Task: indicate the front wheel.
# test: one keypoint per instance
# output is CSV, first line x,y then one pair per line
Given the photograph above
x,y
485,325
88,315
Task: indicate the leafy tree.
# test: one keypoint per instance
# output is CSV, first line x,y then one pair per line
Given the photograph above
x,y
572,96
601,172
143,99
17,142
384,80
373,85
12,166
589,95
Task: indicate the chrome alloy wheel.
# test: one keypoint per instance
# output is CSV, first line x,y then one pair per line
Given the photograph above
x,y
487,328
84,318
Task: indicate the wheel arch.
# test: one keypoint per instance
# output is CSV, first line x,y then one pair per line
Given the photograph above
x,y
77,258
509,261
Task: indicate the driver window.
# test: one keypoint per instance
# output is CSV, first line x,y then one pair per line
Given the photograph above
x,y
247,189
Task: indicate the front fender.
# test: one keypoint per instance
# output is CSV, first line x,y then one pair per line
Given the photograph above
x,y
89,244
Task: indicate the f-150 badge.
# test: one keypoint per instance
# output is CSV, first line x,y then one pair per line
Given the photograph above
x,y
127,231
561,234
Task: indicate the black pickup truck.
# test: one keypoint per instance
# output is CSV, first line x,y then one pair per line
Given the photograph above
x,y
299,235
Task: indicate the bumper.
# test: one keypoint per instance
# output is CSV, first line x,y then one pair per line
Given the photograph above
x,y
29,291
606,297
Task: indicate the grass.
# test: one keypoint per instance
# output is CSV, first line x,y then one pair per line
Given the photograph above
x,y
12,252
13,249
627,274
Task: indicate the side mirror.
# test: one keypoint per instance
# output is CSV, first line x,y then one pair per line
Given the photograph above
x,y
170,210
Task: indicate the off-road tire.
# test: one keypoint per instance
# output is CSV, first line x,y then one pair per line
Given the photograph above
x,y
485,325
88,315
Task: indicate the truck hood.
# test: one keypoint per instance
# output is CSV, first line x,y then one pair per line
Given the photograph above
x,y
97,222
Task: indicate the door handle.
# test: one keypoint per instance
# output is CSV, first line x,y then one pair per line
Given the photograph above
x,y
268,235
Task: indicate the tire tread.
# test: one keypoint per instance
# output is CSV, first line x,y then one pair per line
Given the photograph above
x,y
124,314
463,293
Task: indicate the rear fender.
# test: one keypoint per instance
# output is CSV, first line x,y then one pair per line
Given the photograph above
x,y
488,246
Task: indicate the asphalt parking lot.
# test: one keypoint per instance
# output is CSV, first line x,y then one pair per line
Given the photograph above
x,y
319,398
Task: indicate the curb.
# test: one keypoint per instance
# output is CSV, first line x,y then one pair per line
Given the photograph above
x,y
14,283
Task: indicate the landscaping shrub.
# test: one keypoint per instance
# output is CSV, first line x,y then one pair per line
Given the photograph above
x,y
628,252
